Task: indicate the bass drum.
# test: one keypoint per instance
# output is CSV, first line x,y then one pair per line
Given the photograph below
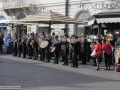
x,y
44,44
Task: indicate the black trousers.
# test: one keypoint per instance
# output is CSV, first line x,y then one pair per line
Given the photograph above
x,y
42,54
56,56
19,51
1,49
24,52
107,60
65,57
48,55
83,55
88,56
75,61
35,53
29,52
15,51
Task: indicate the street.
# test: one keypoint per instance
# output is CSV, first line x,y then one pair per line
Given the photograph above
x,y
36,75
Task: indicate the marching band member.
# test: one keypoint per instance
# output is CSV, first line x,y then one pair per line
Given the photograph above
x,y
35,43
15,46
84,50
65,50
71,47
19,46
42,51
76,49
56,44
29,47
24,46
48,53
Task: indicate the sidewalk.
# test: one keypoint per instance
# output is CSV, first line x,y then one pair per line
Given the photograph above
x,y
36,75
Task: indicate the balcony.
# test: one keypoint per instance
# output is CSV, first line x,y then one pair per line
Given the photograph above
x,y
10,6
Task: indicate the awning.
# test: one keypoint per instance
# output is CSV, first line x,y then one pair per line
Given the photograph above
x,y
105,20
108,20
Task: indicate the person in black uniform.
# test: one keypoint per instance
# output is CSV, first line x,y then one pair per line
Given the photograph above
x,y
15,46
19,46
65,50
24,46
1,42
42,52
112,42
47,49
84,50
56,44
29,47
76,49
35,46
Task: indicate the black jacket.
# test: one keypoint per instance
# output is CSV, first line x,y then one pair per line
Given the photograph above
x,y
76,47
65,47
84,46
49,43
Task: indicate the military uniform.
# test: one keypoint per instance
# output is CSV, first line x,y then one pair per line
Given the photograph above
x,y
65,46
15,47
29,48
57,50
35,48
75,52
19,47
47,50
24,48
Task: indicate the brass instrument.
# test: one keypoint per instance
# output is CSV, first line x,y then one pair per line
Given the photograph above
x,y
32,44
27,43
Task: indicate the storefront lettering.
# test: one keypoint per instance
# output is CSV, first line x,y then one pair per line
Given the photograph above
x,y
99,5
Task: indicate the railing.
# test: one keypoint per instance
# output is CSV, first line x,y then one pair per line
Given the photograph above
x,y
19,3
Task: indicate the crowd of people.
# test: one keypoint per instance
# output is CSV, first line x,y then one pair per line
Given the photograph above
x,y
71,49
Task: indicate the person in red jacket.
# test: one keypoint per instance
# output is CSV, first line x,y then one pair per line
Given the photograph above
x,y
97,48
106,48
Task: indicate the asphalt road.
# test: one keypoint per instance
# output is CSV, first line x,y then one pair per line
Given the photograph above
x,y
36,75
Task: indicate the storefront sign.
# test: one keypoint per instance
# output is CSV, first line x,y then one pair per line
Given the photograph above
x,y
118,4
100,5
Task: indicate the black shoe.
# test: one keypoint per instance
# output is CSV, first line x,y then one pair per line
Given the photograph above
x,y
111,64
62,61
66,64
29,58
47,61
76,67
94,65
83,63
72,66
63,64
39,60
54,63
23,57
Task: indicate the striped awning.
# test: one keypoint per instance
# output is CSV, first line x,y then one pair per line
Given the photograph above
x,y
47,17
104,20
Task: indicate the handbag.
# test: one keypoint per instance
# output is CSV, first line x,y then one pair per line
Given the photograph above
x,y
93,53
97,54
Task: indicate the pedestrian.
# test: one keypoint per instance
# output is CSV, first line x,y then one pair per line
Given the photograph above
x,y
97,49
107,52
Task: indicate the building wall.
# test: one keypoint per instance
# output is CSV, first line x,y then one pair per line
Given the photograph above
x,y
59,6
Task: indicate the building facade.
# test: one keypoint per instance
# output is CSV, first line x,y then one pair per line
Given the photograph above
x,y
81,10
